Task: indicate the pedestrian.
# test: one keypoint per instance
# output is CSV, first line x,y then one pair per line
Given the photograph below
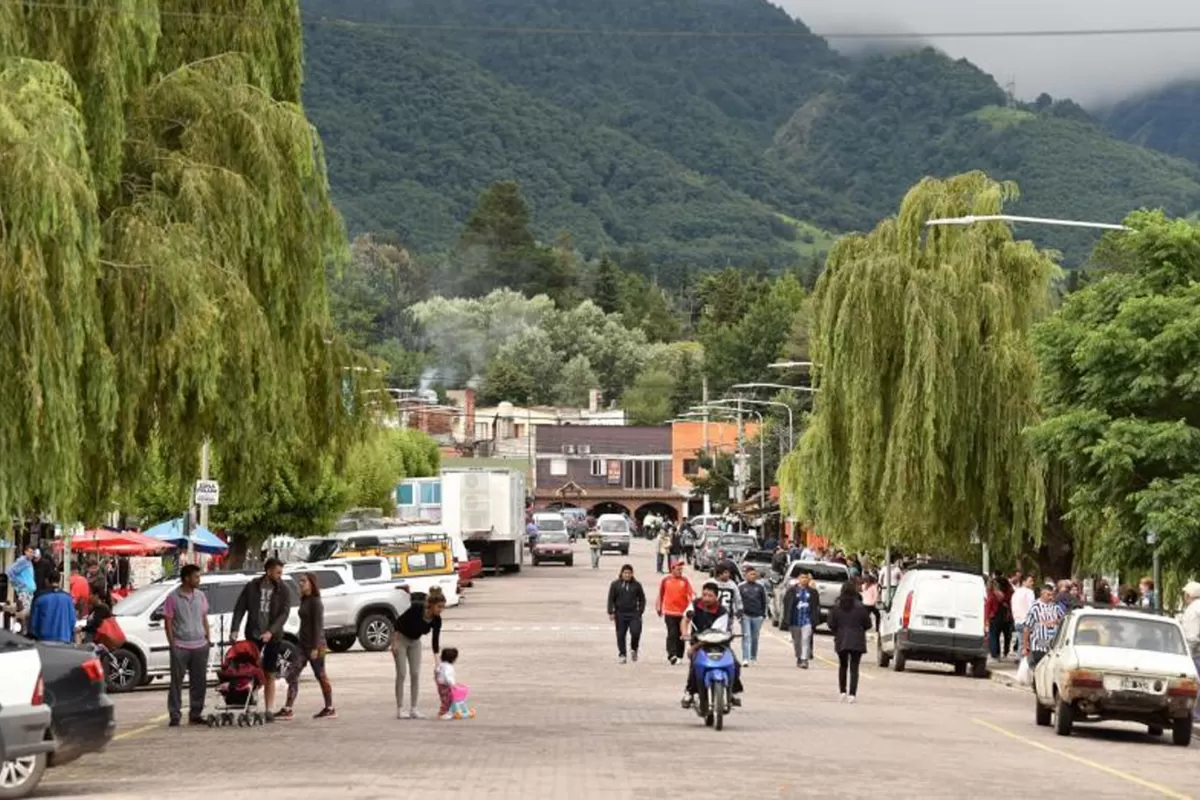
x,y
849,622
453,694
727,589
626,604
310,650
265,605
664,550
802,605
43,569
1041,623
1191,626
1022,601
688,541
870,598
594,542
22,579
675,596
995,616
1102,596
418,620
52,613
754,610
1148,596
185,622
80,594
98,584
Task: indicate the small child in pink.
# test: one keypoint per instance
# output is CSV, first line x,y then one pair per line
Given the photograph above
x,y
452,693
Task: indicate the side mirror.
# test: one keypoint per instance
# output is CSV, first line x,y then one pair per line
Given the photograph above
x,y
157,615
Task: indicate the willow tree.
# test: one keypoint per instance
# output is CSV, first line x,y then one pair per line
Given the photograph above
x,y
925,379
165,224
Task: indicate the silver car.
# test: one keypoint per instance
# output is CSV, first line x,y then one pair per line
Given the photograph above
x,y
828,577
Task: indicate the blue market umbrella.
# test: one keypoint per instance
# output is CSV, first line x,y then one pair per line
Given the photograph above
x,y
203,540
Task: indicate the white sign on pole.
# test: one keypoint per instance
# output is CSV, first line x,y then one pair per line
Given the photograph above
x,y
208,493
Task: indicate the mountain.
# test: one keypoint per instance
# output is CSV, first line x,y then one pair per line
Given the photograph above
x,y
704,131
1167,119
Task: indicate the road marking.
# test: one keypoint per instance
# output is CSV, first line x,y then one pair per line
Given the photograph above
x,y
154,723
788,642
1087,762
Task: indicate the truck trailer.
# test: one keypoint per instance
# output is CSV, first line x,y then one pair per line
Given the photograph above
x,y
485,507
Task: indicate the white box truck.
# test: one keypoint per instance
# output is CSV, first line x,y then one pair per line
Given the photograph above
x,y
485,507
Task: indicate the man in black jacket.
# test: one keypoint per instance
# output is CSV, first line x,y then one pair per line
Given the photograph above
x,y
626,604
265,604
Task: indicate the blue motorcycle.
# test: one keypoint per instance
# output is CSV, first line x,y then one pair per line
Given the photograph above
x,y
714,669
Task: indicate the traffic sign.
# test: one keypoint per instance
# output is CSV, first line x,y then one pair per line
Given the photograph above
x,y
208,493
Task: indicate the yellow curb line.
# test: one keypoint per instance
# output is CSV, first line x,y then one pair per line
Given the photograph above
x,y
154,723
1116,773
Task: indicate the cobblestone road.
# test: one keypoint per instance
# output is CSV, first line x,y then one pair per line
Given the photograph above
x,y
559,718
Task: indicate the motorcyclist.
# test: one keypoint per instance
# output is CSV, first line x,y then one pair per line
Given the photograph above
x,y
707,614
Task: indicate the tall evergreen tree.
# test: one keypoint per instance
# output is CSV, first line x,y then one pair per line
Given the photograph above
x,y
606,292
162,262
926,377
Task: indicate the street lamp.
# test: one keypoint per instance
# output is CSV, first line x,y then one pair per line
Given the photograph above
x,y
782,386
791,364
791,427
762,470
971,219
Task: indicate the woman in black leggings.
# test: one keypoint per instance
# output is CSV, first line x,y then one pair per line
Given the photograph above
x,y
849,620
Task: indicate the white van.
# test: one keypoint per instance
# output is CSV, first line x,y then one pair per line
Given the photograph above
x,y
614,533
936,615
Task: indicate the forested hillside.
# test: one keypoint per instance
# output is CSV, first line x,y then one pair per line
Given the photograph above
x,y
1167,120
698,148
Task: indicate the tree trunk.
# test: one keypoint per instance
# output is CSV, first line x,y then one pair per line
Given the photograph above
x,y
1056,556
238,545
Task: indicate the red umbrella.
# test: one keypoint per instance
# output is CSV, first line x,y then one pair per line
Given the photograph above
x,y
115,543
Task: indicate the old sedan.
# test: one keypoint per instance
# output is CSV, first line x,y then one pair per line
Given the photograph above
x,y
1117,664
553,546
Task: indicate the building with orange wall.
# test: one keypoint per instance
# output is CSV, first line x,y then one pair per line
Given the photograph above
x,y
689,438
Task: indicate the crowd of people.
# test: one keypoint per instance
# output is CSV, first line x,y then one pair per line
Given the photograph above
x,y
49,608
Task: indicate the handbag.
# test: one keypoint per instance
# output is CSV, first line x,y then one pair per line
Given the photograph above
x,y
109,634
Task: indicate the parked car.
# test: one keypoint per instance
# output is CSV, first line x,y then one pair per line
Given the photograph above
x,y
26,735
828,576
731,547
936,615
761,561
554,546
615,533
145,655
76,691
364,611
1117,664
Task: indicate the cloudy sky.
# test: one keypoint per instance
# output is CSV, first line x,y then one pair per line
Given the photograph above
x,y
1092,70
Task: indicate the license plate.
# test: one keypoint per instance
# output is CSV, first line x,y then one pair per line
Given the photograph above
x,y
934,622
1136,685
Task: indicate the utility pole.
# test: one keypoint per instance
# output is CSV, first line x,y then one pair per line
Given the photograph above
x,y
707,452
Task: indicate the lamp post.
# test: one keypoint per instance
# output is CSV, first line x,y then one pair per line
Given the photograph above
x,y
791,426
971,219
762,471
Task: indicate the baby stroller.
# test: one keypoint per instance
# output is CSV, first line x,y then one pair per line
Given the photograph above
x,y
238,682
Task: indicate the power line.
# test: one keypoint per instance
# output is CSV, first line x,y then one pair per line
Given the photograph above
x,y
651,33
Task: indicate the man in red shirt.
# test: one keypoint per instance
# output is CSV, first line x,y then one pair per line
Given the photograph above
x,y
675,595
80,592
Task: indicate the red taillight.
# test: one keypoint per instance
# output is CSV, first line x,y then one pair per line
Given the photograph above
x,y
94,670
1084,679
1185,687
904,619
39,690
404,589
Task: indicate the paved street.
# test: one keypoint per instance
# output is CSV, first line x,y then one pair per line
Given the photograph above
x,y
558,717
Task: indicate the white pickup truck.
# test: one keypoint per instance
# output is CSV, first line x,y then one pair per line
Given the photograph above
x,y
360,603
25,736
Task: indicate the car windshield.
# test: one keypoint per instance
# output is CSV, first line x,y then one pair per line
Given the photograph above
x,y
1154,635
759,556
322,550
544,525
737,541
141,600
613,526
552,538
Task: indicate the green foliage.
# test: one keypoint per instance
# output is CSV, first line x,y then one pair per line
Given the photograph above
x,y
378,463
745,325
1121,391
607,288
648,400
1167,120
168,223
926,380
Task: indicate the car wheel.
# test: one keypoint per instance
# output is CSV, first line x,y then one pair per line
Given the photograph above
x,y
1064,718
960,668
979,668
375,632
123,671
536,562
570,562
1181,731
1041,714
881,658
340,644
19,777
898,661
1154,730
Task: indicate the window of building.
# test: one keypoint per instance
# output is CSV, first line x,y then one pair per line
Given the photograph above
x,y
598,468
691,466
644,474
558,466
431,493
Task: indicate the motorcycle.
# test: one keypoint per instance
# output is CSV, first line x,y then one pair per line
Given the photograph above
x,y
714,669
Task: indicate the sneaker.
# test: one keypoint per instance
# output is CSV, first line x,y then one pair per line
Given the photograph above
x,y
673,659
403,713
447,715
414,714
803,665
174,723
852,700
621,659
842,697
735,700
285,714
326,713
269,716
799,662
687,701
196,721
634,654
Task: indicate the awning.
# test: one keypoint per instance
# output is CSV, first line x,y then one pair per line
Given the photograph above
x,y
203,540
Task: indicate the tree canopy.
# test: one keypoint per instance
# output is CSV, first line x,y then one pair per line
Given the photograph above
x,y
162,261
926,380
1120,386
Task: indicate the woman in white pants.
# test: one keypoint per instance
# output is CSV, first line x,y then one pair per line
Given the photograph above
x,y
418,620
